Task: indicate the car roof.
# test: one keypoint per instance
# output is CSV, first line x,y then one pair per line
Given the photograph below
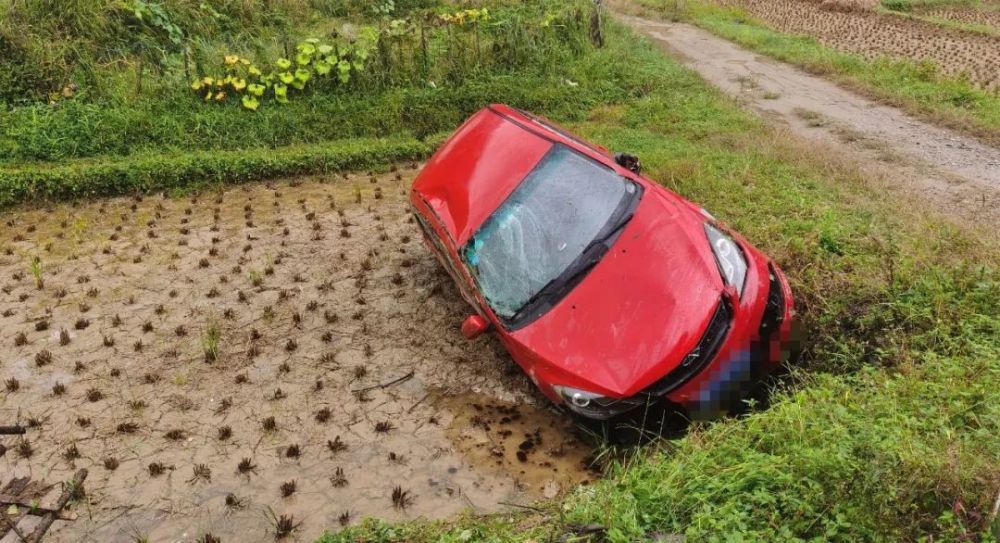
x,y
483,162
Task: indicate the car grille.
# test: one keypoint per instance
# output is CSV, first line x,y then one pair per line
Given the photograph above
x,y
701,355
774,311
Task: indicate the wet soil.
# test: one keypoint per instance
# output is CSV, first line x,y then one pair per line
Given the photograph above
x,y
200,354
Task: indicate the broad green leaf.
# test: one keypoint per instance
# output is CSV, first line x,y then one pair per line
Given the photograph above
x,y
255,89
281,93
255,71
208,95
231,59
298,84
239,84
250,102
306,47
197,84
344,71
286,77
283,63
303,58
303,75
325,49
322,67
220,96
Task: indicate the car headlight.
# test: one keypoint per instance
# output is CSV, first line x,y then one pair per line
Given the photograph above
x,y
732,263
596,406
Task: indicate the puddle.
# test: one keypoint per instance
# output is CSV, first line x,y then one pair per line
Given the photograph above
x,y
535,448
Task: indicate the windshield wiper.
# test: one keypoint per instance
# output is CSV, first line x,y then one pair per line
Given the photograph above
x,y
587,260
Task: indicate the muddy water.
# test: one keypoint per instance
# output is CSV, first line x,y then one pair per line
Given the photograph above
x,y
315,302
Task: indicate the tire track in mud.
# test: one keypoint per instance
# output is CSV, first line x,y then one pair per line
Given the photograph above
x,y
956,174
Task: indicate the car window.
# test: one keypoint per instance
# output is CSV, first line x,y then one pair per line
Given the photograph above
x,y
542,228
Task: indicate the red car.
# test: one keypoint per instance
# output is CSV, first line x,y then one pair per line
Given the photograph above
x,y
610,291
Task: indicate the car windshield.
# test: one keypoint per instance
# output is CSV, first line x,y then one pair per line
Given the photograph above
x,y
543,228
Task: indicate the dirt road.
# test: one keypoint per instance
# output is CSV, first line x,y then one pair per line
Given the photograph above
x,y
957,174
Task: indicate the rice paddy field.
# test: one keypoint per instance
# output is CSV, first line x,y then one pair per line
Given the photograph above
x,y
872,33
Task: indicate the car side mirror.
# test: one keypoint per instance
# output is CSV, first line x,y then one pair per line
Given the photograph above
x,y
473,326
629,162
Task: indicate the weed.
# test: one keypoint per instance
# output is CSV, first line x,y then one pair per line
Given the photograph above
x,y
43,358
36,272
71,453
210,343
288,488
201,472
24,448
246,466
127,428
401,499
269,424
224,433
338,479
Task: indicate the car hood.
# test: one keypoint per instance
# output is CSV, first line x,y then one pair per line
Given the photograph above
x,y
640,310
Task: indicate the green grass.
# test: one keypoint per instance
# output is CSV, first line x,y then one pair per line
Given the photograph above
x,y
155,172
910,5
893,424
917,87
984,29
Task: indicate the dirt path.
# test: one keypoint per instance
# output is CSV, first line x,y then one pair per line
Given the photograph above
x,y
957,174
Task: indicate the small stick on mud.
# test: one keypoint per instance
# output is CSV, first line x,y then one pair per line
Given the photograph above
x,y
11,430
69,491
402,379
12,523
528,507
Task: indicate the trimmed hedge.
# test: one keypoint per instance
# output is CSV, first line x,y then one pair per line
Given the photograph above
x,y
153,173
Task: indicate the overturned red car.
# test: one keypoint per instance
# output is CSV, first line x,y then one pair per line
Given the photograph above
x,y
613,293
